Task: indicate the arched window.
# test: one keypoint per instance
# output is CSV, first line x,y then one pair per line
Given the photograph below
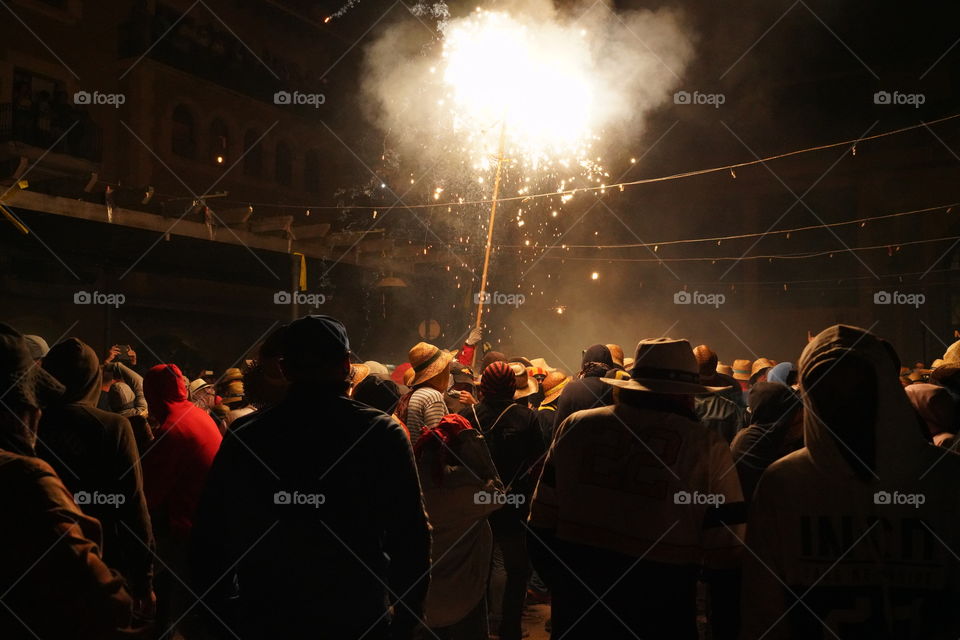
x,y
311,171
284,164
183,139
219,142
253,160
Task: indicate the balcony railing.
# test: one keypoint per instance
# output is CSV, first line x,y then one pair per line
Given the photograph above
x,y
83,137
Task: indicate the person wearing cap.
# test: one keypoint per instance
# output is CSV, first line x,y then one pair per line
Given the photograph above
x,y
516,445
621,509
38,347
553,385
313,510
587,391
53,580
95,454
422,407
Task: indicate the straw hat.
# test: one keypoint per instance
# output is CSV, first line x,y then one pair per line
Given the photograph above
x,y
952,354
627,363
725,369
616,353
666,366
357,373
741,369
760,364
553,386
427,361
197,385
540,362
526,385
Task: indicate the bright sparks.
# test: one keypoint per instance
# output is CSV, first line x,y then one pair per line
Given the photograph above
x,y
535,83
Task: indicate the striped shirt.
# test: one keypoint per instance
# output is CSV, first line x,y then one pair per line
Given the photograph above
x,y
424,412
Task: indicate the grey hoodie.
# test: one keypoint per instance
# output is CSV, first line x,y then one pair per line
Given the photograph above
x,y
862,524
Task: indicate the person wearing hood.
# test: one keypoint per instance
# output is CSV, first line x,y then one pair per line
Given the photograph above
x,y
312,522
461,488
775,415
854,536
785,373
53,580
633,507
95,453
516,445
587,391
174,470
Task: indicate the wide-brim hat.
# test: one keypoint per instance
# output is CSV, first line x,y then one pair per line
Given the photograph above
x,y
540,362
725,369
197,385
553,385
741,369
952,354
664,365
427,361
760,364
526,385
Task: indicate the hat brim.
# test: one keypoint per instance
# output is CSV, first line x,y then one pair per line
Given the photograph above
x,y
555,392
435,367
532,387
652,385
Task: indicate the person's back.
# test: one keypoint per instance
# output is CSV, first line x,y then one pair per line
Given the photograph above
x,y
53,582
94,452
719,414
317,500
864,522
635,500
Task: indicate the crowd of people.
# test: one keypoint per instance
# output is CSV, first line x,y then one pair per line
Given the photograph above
x,y
308,495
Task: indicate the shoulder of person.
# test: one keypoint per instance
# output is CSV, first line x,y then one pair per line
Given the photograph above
x,y
15,467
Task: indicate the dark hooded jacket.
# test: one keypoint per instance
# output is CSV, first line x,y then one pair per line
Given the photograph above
x,y
185,442
95,454
864,522
587,391
314,570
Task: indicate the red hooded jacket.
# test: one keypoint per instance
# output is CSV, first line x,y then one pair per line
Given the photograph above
x,y
175,466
